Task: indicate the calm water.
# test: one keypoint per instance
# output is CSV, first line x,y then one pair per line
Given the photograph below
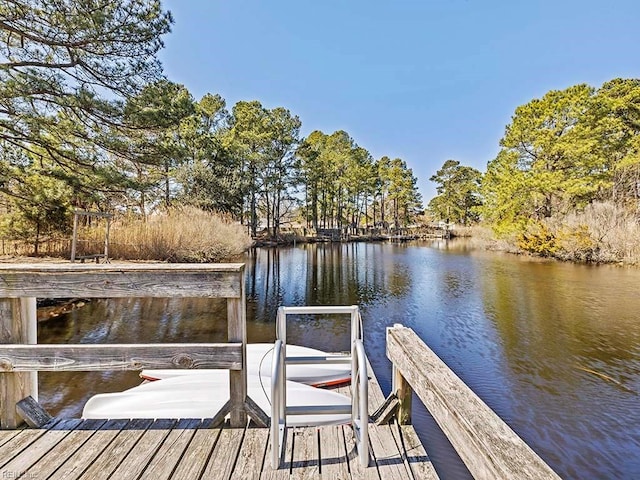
x,y
553,348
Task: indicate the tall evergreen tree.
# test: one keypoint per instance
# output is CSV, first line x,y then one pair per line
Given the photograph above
x,y
65,66
458,193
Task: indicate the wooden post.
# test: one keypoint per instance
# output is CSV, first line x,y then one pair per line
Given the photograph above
x,y
237,332
74,241
403,393
106,241
18,324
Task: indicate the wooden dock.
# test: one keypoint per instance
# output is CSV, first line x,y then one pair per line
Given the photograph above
x,y
204,449
192,449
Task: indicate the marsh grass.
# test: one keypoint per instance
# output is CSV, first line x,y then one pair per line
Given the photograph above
x,y
181,235
601,233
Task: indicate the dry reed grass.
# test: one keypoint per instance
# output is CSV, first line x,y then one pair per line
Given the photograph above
x,y
601,233
180,235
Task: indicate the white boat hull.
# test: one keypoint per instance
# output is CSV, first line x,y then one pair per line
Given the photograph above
x,y
202,396
259,363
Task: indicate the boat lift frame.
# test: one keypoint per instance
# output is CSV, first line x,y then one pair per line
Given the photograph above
x,y
359,407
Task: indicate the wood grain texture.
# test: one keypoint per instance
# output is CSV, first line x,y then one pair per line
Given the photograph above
x,y
280,473
19,443
403,392
252,454
32,412
387,454
333,456
146,450
225,454
36,450
356,469
237,332
7,435
488,447
83,458
305,461
257,415
117,451
18,324
124,280
385,412
166,459
414,454
194,460
64,449
84,357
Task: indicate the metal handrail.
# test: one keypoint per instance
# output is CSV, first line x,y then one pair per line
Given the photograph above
x,y
360,405
359,380
278,422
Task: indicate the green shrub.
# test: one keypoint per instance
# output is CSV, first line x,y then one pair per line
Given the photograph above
x,y
538,239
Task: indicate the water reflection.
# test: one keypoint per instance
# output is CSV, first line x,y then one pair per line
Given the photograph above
x,y
570,340
554,349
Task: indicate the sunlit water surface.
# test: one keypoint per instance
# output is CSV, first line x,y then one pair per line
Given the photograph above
x,y
553,348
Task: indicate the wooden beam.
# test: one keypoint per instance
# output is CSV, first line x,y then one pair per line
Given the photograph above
x,y
488,447
259,417
124,280
33,413
404,394
385,412
218,418
237,332
106,240
74,240
18,324
84,357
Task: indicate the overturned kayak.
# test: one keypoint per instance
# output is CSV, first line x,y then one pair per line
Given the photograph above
x,y
259,363
202,396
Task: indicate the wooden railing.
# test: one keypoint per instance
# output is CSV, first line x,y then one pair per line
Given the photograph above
x,y
21,358
487,446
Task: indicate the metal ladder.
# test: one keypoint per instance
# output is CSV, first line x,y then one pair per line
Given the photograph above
x,y
359,407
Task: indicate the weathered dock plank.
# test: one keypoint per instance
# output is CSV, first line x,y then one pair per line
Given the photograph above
x,y
412,451
305,460
41,446
116,452
414,455
146,449
7,435
281,473
166,460
333,454
82,459
355,467
17,443
387,455
252,454
64,449
224,456
194,459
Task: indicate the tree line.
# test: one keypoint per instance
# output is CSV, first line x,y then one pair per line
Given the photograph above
x,y
87,120
559,154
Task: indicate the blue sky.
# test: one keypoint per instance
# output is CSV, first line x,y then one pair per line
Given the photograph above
x,y
425,81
